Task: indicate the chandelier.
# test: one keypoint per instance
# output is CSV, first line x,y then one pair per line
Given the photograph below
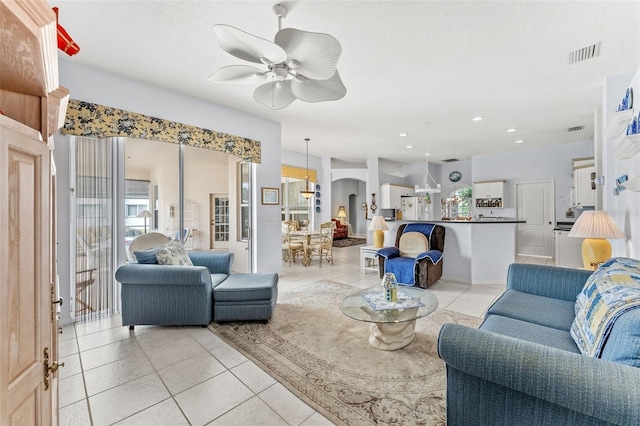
x,y
424,187
306,192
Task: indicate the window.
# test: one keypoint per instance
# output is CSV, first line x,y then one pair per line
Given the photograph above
x,y
459,203
294,205
243,172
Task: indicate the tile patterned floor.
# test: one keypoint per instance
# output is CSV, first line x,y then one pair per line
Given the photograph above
x,y
189,376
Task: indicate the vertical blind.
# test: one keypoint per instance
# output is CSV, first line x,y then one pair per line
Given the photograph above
x,y
93,203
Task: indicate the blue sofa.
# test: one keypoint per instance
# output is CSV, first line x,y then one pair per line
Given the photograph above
x,y
522,367
186,295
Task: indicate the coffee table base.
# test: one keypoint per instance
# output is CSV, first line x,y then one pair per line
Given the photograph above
x,y
392,336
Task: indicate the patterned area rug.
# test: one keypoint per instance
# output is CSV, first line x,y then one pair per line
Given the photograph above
x,y
349,241
325,358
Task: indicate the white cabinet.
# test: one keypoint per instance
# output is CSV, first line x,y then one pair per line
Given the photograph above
x,y
568,250
390,195
489,194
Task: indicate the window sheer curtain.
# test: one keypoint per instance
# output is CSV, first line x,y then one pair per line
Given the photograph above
x,y
93,227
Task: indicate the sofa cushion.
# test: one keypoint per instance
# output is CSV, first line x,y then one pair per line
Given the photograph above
x,y
530,332
545,311
412,244
173,254
146,256
247,287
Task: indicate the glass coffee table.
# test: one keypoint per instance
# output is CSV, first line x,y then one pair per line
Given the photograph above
x,y
392,325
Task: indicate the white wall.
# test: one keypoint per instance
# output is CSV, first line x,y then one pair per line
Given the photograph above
x,y
625,207
95,86
553,162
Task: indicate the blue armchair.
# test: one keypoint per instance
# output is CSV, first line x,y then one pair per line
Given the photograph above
x,y
172,294
416,258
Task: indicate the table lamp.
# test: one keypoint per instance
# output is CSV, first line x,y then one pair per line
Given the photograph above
x,y
342,213
595,227
377,226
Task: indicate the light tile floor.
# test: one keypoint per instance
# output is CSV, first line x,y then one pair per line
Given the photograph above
x,y
189,376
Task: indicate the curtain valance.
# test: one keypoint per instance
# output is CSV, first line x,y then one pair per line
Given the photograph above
x,y
299,172
98,121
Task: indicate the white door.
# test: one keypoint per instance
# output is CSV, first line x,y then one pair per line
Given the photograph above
x,y
219,216
535,205
27,397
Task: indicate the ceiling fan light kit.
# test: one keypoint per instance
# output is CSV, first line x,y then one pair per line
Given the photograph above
x,y
300,64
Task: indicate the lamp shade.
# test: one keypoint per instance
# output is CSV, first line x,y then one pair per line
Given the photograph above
x,y
595,224
145,213
378,224
342,213
595,227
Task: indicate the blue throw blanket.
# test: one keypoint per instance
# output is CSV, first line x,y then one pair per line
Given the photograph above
x,y
608,293
404,268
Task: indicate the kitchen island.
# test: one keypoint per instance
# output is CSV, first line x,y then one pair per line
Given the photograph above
x,y
475,251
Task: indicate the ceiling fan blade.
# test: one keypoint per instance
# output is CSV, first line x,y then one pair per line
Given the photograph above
x,y
238,74
317,53
247,46
309,90
275,94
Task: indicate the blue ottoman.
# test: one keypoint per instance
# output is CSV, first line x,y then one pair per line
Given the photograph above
x,y
245,297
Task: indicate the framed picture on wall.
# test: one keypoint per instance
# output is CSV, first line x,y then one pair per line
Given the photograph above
x,y
271,196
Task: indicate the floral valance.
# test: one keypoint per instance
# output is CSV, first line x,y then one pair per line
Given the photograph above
x,y
99,121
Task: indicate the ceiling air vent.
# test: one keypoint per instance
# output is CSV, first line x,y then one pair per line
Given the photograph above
x,y
450,160
575,129
584,53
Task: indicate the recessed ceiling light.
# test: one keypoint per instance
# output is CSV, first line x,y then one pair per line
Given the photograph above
x,y
409,146
404,134
520,141
511,130
477,118
426,154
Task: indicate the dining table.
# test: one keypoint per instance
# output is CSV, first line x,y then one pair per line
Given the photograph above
x,y
306,237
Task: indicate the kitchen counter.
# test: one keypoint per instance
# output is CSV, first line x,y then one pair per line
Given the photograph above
x,y
476,221
478,252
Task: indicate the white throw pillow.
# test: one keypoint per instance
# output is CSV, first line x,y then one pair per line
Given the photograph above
x,y
173,254
412,244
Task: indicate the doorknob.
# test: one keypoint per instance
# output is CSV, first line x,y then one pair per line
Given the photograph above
x,y
49,368
59,301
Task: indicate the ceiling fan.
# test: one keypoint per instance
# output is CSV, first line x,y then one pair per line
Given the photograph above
x,y
299,64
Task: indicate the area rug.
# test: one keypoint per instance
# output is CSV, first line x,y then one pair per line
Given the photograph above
x,y
325,358
349,241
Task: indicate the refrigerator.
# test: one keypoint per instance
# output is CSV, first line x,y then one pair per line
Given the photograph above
x,y
414,208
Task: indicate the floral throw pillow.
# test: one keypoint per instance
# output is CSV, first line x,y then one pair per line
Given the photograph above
x,y
173,254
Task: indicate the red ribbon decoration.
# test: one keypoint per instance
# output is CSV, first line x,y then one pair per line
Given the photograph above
x,y
65,42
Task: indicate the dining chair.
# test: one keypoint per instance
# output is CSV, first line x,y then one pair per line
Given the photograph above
x,y
324,244
291,246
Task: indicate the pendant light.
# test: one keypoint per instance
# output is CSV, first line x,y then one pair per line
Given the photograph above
x,y
306,193
425,187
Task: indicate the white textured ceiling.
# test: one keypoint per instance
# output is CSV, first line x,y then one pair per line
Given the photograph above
x,y
421,67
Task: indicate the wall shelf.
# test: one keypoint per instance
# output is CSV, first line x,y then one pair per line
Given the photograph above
x,y
633,185
617,122
628,147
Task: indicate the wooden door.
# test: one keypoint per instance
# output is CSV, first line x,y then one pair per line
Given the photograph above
x,y
27,315
535,205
